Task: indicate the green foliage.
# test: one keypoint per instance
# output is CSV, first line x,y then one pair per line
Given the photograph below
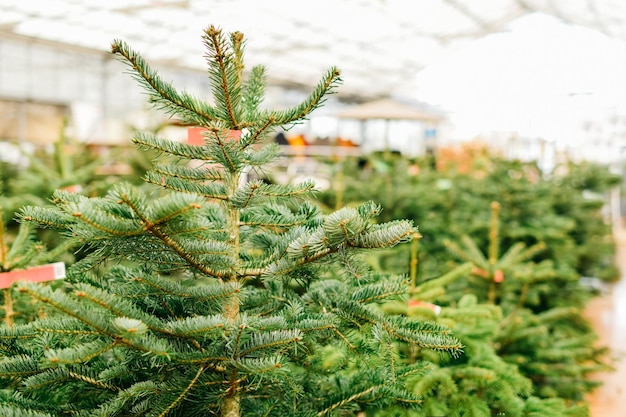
x,y
486,380
210,294
68,165
550,341
562,210
18,252
528,350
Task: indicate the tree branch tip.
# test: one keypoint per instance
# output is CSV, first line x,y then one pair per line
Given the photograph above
x,y
115,47
213,31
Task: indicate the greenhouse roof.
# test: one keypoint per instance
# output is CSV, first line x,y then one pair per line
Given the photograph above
x,y
380,45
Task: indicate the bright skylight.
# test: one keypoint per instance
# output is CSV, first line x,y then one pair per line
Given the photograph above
x,y
543,78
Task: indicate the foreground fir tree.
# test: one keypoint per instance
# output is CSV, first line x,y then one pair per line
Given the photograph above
x,y
215,295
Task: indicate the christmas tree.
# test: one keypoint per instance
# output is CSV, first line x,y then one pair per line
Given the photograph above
x,y
508,367
549,340
205,293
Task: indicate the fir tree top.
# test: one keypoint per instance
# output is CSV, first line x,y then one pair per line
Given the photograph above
x,y
236,100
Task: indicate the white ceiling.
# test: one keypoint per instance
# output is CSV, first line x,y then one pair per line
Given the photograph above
x,y
379,45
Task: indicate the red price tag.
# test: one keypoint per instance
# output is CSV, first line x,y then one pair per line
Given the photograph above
x,y
194,135
76,188
418,303
48,272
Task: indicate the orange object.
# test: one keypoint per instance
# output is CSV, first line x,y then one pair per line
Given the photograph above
x,y
473,158
48,272
297,140
498,276
346,142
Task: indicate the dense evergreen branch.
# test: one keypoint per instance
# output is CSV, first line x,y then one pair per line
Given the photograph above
x,y
155,229
62,303
184,392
